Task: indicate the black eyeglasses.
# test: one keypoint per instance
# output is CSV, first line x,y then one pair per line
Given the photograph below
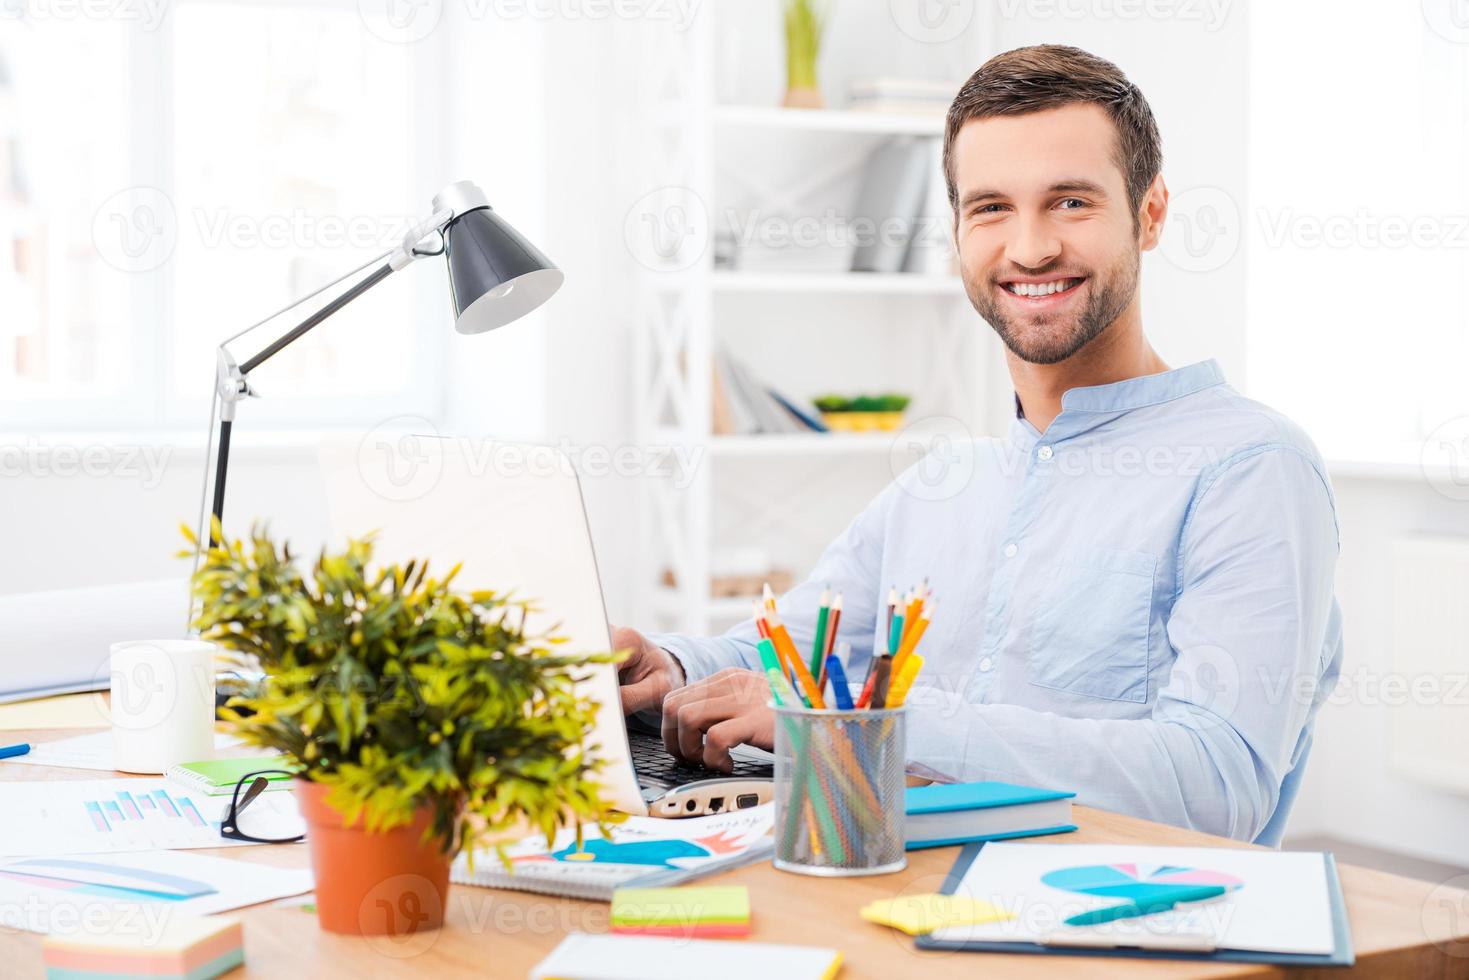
x,y
258,826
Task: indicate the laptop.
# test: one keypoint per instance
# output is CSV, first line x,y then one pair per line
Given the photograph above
x,y
514,516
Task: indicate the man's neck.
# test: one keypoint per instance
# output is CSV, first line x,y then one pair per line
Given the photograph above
x,y
1117,353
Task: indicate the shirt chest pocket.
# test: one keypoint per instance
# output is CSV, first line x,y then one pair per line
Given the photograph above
x,y
1090,633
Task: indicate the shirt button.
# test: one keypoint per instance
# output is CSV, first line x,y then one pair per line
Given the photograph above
x,y
985,665
1044,453
1010,550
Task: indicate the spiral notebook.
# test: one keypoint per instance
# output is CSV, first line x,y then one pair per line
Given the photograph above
x,y
641,852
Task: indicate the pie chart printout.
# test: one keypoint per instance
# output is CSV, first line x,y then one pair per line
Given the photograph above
x,y
1135,882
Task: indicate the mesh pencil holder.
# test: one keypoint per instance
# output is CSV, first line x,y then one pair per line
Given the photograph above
x,y
839,791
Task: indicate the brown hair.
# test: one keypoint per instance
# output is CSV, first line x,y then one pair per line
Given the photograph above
x,y
1048,76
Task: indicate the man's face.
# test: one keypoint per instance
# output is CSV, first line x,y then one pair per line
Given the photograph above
x,y
1048,245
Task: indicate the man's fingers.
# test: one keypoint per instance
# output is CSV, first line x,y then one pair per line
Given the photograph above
x,y
641,695
726,735
694,717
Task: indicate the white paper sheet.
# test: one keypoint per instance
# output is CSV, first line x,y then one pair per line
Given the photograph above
x,y
136,892
92,751
92,816
1282,905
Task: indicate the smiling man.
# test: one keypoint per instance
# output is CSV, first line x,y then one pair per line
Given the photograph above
x,y
1134,585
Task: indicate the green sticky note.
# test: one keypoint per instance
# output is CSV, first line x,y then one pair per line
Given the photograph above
x,y
680,906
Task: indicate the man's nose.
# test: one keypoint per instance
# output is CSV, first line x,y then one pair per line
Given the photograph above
x,y
1033,245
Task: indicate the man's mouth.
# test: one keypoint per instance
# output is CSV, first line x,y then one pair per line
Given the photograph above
x,y
1039,290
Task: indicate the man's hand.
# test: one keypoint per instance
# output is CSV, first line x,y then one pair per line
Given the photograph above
x,y
647,675
703,721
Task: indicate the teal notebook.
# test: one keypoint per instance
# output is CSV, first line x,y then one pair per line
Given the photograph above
x,y
959,813
218,777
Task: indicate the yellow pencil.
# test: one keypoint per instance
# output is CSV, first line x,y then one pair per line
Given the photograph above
x,y
900,688
910,641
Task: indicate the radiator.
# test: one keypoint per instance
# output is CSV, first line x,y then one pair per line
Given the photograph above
x,y
1427,693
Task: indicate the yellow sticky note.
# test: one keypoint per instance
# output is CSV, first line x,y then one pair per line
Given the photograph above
x,y
918,915
67,711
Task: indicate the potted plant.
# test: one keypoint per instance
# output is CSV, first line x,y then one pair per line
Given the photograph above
x,y
863,413
804,25
424,720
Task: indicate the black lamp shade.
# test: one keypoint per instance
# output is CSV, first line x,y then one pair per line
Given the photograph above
x,y
495,275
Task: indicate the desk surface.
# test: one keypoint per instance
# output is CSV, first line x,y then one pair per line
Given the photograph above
x,y
1401,927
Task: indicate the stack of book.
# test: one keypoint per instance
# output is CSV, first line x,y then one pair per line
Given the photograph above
x,y
917,96
745,405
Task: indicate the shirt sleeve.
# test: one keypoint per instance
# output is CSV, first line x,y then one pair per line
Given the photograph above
x,y
1252,631
851,565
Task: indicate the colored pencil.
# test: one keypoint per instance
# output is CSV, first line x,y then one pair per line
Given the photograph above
x,y
818,642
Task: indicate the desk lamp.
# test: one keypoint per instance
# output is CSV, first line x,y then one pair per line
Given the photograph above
x,y
495,277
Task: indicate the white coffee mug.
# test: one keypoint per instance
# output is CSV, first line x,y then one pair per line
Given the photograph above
x,y
162,703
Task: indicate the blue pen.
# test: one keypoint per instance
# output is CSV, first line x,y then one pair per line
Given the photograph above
x,y
838,678
11,751
1150,906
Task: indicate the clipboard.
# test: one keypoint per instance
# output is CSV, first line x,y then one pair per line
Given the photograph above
x,y
1341,955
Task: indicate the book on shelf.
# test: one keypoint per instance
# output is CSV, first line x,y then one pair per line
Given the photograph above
x,y
742,404
903,96
891,203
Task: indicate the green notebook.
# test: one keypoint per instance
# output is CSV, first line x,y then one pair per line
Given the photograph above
x,y
218,777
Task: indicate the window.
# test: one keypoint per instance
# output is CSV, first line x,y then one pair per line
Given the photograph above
x,y
249,153
1359,224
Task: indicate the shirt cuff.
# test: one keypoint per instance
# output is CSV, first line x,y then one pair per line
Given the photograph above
x,y
699,658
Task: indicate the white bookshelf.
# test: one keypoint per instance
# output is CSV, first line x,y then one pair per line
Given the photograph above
x,y
905,332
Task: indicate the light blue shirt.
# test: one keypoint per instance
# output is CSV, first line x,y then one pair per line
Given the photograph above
x,y
1136,605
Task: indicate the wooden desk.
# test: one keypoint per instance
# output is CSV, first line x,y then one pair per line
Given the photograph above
x,y
1401,927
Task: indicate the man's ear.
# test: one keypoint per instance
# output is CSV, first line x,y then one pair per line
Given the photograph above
x,y
1152,213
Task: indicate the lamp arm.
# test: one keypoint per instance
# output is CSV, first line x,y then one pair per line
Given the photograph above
x,y
231,378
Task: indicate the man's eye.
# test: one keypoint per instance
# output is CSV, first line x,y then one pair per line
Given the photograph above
x,y
1071,203
989,209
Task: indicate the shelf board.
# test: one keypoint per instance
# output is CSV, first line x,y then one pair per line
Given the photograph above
x,y
828,121
858,283
805,444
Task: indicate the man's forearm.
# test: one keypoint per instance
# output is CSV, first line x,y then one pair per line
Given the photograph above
x,y
702,656
1184,772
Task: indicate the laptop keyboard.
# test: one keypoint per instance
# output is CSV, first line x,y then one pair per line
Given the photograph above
x,y
657,769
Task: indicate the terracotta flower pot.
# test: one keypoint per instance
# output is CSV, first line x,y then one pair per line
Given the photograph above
x,y
373,883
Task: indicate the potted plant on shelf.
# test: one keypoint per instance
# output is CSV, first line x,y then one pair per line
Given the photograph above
x,y
804,25
424,720
863,413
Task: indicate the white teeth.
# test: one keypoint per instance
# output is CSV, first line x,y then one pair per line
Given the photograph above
x,y
1042,288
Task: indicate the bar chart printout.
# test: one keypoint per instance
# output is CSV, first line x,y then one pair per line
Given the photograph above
x,y
108,815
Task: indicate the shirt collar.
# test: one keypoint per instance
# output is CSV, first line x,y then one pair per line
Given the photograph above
x,y
1151,389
